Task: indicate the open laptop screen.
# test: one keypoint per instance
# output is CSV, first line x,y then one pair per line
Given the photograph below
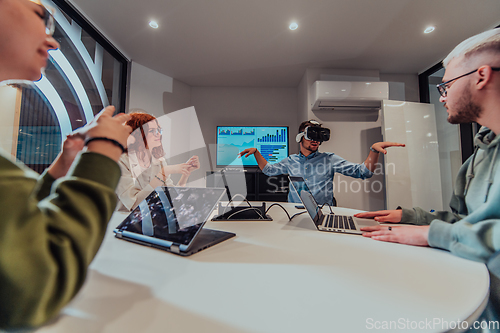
x,y
174,214
306,197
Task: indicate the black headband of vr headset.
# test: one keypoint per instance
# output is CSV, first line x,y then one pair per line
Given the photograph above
x,y
314,133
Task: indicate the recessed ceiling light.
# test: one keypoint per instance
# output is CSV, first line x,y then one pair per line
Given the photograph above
x,y
293,26
428,30
153,24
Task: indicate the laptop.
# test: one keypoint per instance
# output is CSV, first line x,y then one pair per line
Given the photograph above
x,y
327,222
172,219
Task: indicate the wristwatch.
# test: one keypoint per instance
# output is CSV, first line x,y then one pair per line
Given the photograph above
x,y
374,150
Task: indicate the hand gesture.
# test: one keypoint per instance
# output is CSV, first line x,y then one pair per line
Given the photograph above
x,y
383,216
71,147
182,168
380,146
194,162
105,125
247,152
408,234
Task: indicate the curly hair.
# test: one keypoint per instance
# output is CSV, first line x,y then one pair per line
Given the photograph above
x,y
140,120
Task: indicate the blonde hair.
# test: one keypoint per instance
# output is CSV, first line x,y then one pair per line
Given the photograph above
x,y
488,41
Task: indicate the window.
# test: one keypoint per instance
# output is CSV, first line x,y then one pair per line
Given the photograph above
x,y
84,75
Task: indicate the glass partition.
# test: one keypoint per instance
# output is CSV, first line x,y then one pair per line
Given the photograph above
x,y
455,141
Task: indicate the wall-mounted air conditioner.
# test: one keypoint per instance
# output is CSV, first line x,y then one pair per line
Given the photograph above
x,y
340,95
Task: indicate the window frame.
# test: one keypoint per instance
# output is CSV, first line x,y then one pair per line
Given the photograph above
x,y
75,15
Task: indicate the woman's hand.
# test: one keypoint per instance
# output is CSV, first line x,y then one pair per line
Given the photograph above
x,y
71,147
182,168
108,126
194,162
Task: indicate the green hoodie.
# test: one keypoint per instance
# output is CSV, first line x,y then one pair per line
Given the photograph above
x,y
472,229
50,230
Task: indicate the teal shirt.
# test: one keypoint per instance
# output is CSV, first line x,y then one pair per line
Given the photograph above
x,y
472,229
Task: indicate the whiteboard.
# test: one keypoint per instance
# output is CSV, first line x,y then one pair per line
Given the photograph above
x,y
412,174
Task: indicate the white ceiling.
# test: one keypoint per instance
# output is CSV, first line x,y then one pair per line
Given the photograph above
x,y
248,43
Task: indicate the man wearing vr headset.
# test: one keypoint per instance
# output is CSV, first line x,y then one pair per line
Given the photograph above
x,y
318,168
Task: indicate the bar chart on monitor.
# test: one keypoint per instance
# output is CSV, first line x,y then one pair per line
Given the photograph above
x,y
271,141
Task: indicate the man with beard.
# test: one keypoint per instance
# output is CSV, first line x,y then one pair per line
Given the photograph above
x,y
470,92
318,168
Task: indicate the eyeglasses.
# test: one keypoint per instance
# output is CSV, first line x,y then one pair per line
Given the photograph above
x,y
156,131
48,17
443,87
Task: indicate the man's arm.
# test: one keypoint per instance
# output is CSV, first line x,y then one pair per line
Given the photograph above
x,y
261,161
474,241
416,216
372,159
450,231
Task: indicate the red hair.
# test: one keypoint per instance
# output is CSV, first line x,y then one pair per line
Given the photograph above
x,y
139,120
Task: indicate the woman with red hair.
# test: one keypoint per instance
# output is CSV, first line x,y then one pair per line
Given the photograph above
x,y
144,166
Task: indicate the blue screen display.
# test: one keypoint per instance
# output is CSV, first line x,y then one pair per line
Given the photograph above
x,y
271,141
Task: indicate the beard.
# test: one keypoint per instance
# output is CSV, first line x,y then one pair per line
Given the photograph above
x,y
311,149
466,110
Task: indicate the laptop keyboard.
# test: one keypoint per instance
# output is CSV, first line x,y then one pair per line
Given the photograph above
x,y
339,222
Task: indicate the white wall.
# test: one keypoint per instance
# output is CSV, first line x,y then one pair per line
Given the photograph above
x,y
177,99
239,106
410,81
147,88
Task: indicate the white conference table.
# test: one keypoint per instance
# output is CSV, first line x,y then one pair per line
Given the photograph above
x,y
274,276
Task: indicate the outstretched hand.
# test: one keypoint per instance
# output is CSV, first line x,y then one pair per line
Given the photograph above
x,y
382,216
380,146
407,234
247,152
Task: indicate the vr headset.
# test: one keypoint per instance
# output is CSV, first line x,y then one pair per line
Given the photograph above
x,y
314,133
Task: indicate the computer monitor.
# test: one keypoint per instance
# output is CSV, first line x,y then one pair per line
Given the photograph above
x,y
271,141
